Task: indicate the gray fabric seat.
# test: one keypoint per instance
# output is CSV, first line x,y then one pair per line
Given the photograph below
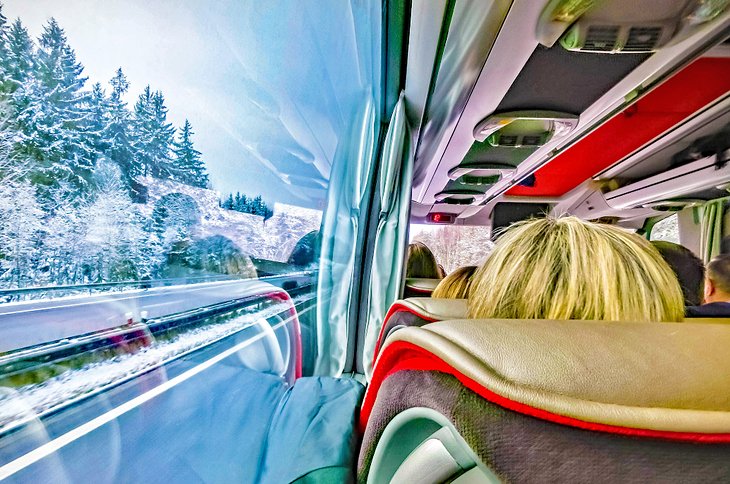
x,y
539,401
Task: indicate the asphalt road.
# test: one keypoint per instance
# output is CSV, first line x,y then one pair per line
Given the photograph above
x,y
30,323
210,427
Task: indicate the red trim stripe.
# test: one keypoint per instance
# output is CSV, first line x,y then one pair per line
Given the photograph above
x,y
295,329
401,355
396,308
419,290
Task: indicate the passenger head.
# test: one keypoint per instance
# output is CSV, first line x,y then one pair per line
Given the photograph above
x,y
688,268
717,281
456,285
421,262
565,268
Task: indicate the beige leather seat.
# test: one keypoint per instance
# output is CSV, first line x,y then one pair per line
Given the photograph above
x,y
536,401
419,287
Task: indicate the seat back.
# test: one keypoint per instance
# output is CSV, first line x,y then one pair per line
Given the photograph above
x,y
417,311
538,400
419,287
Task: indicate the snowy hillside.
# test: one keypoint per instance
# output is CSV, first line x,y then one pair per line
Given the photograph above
x,y
271,240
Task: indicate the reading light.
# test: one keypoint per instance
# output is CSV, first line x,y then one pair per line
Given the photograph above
x,y
526,123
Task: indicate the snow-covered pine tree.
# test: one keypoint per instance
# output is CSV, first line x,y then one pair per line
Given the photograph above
x,y
97,120
162,139
189,167
118,131
17,85
59,106
153,135
18,59
142,129
258,207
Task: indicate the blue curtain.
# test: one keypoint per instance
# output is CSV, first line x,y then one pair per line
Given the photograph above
x,y
394,186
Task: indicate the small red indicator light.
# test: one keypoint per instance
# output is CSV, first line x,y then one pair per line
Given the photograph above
x,y
441,218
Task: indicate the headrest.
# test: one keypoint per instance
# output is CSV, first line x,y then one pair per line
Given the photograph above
x,y
425,286
431,309
670,380
417,311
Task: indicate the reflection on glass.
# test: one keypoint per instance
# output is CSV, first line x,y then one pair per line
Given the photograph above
x,y
161,184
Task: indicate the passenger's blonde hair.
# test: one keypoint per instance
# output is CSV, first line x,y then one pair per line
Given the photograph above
x,y
456,285
565,268
421,263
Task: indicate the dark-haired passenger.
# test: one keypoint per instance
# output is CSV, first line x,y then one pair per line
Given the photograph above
x,y
421,263
687,266
717,290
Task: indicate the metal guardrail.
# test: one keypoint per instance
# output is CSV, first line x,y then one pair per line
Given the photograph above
x,y
103,285
56,351
11,294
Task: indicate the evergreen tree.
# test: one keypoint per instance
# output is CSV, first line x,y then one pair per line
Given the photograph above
x,y
98,111
18,84
153,136
17,59
258,207
228,203
118,131
142,126
189,168
59,107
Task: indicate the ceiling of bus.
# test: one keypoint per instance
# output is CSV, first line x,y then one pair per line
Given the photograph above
x,y
541,78
689,90
553,79
556,79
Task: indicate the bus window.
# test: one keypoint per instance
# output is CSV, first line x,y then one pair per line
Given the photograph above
x,y
454,245
666,229
164,177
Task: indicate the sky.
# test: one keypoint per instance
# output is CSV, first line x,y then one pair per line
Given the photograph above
x,y
223,65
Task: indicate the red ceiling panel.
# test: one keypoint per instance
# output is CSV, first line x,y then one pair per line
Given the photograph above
x,y
692,88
